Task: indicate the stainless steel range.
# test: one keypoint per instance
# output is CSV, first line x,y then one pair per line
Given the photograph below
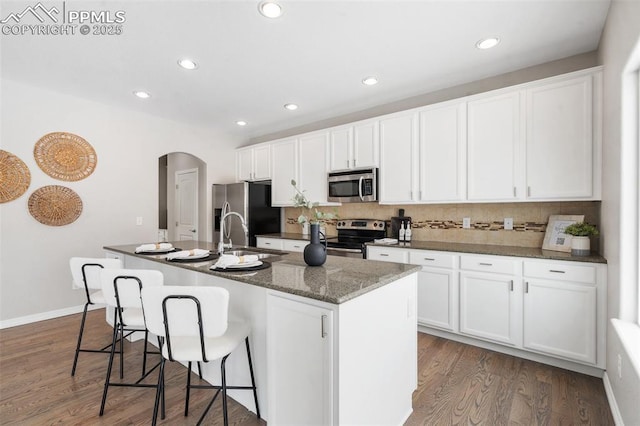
x,y
352,236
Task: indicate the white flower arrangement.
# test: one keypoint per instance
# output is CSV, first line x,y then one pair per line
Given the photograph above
x,y
309,208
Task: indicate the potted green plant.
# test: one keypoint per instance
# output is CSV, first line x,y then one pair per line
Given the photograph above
x,y
580,237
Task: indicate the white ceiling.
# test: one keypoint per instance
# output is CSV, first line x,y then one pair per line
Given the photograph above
x,y
315,54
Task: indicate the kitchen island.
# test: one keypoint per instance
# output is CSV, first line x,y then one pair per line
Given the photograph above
x,y
323,338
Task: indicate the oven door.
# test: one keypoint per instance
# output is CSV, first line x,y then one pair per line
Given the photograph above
x,y
345,252
353,187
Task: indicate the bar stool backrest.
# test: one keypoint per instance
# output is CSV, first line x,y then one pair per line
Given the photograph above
x,y
122,287
181,307
87,269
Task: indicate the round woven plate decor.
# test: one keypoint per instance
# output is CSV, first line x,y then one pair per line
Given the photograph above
x,y
65,156
55,205
14,177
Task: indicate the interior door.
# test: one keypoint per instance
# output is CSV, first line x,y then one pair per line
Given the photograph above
x,y
186,205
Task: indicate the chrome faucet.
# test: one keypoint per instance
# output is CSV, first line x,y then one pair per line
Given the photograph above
x,y
221,244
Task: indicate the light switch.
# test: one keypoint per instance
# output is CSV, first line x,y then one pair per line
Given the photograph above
x,y
466,222
139,220
508,224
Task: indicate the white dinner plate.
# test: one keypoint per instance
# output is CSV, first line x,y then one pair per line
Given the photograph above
x,y
195,256
165,250
245,265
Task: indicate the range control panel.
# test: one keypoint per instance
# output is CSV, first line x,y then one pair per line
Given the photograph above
x,y
361,224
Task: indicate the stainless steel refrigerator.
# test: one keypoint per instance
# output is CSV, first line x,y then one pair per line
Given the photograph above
x,y
253,201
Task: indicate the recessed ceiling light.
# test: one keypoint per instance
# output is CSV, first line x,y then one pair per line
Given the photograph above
x,y
142,94
270,9
487,43
291,107
370,81
241,123
187,64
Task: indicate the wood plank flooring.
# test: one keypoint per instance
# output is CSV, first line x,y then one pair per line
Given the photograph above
x,y
457,384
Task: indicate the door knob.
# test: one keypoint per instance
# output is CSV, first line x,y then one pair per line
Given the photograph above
x,y
193,230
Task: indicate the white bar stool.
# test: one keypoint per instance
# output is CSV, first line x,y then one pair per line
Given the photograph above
x,y
194,325
85,274
122,289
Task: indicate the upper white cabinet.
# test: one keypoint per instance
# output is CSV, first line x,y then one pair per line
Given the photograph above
x,y
493,146
284,157
442,152
253,163
559,141
398,177
313,169
354,147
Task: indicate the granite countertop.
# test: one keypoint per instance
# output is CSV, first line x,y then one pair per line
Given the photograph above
x,y
340,279
494,250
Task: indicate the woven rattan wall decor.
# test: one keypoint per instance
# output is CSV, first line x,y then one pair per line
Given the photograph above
x,y
65,156
55,205
14,177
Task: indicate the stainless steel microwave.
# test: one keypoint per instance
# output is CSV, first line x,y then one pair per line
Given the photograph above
x,y
356,186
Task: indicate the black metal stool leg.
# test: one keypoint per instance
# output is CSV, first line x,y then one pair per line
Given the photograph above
x,y
154,419
121,348
75,358
144,359
186,401
253,380
108,379
223,371
199,370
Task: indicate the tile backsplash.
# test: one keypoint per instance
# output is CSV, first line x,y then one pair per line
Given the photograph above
x,y
443,222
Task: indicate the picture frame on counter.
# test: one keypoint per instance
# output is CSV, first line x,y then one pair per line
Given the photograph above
x,y
555,239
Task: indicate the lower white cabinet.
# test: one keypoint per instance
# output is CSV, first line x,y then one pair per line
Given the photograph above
x,y
548,307
488,307
300,363
560,313
294,245
269,243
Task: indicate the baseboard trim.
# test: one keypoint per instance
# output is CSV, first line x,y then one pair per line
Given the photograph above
x,y
613,405
28,319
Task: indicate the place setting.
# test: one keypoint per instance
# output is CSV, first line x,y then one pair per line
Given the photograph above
x,y
232,263
189,256
156,248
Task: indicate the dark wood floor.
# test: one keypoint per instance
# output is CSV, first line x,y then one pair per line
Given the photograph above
x,y
457,384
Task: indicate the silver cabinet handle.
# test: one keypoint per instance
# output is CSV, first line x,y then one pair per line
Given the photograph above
x,y
556,271
514,192
323,333
354,162
384,255
347,164
429,259
511,285
267,244
485,264
526,286
528,191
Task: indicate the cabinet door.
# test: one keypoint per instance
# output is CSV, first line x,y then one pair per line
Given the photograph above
x,y
560,319
299,363
340,150
442,150
244,164
385,254
437,298
493,141
366,143
269,243
559,140
488,307
398,137
284,156
313,167
262,162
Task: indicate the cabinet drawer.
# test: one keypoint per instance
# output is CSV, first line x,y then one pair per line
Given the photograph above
x,y
294,245
388,254
430,258
492,264
560,271
270,243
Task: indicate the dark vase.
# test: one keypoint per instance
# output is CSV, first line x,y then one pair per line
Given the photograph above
x,y
315,253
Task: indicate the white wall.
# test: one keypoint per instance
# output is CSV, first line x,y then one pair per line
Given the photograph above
x,y
618,47
34,272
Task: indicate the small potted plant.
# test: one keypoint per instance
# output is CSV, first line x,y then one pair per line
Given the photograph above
x,y
580,237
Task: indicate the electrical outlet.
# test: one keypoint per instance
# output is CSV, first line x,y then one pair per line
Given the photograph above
x,y
139,220
508,223
466,222
619,367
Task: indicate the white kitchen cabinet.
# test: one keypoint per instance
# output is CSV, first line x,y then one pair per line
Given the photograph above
x,y
299,362
269,243
493,148
313,167
398,165
560,310
385,254
284,158
559,140
355,146
294,245
443,152
253,163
